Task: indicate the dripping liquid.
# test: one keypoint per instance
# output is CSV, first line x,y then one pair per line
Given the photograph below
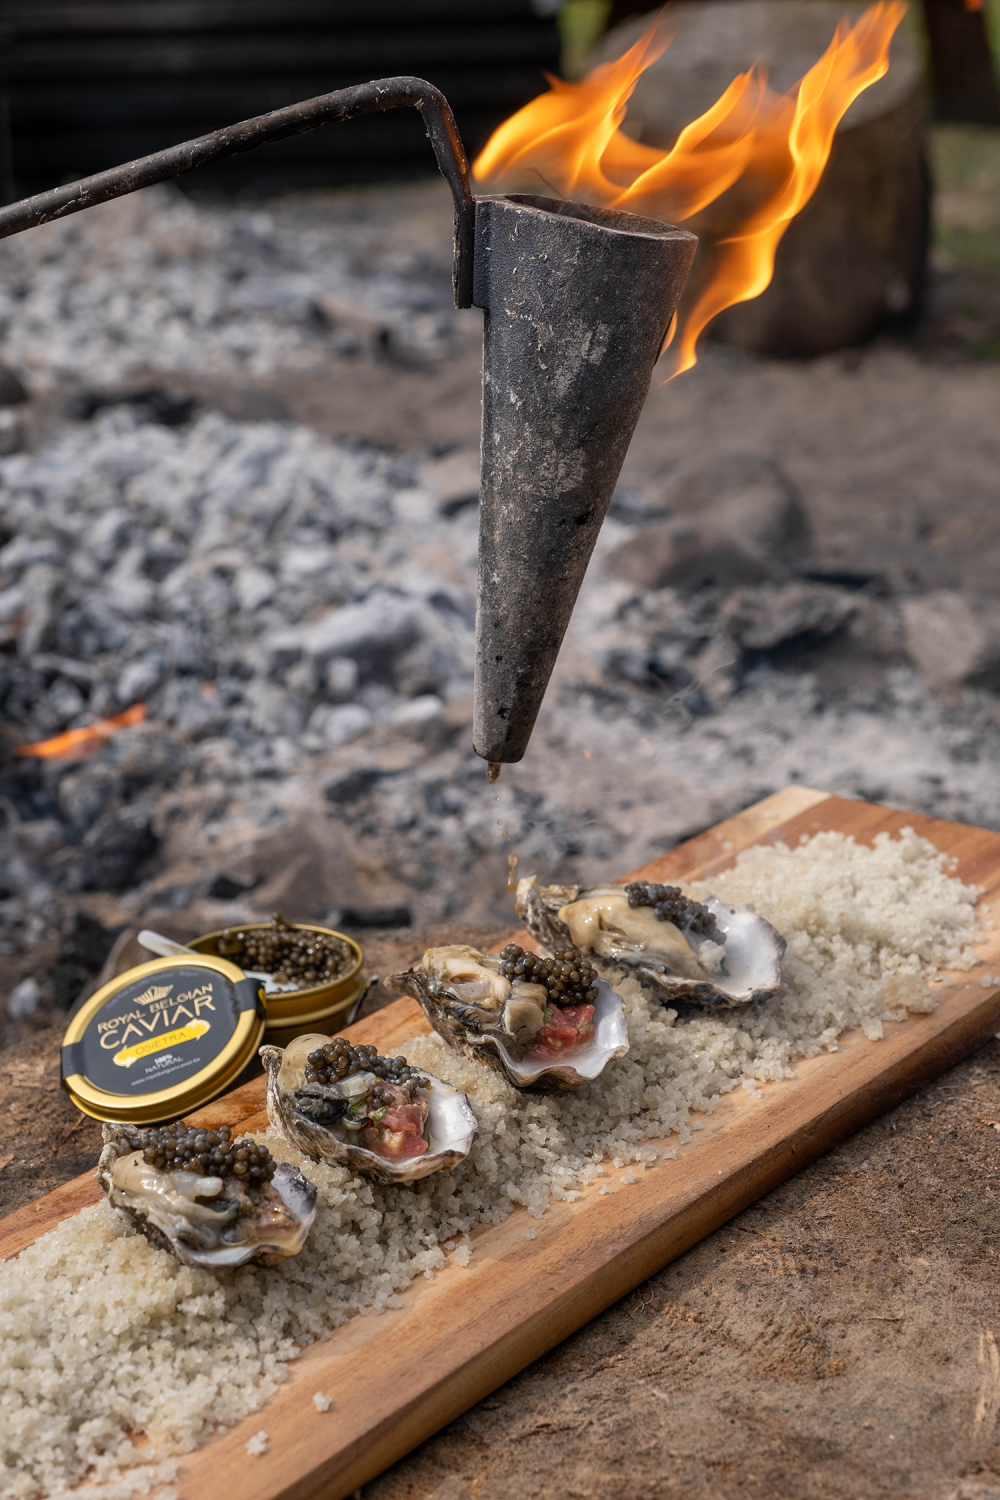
x,y
511,858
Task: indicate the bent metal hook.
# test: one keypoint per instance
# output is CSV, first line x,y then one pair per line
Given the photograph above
x,y
294,119
577,303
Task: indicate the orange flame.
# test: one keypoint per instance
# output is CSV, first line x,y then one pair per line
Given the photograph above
x,y
87,739
744,168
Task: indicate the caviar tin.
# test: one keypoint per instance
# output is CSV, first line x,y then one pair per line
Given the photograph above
x,y
321,1007
162,1039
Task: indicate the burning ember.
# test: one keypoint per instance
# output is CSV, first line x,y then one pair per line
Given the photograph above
x,y
84,741
740,172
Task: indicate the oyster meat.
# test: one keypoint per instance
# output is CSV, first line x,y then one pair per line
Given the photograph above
x,y
706,952
545,1023
211,1201
339,1102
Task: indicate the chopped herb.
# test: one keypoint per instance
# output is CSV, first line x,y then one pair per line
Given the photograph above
x,y
379,1113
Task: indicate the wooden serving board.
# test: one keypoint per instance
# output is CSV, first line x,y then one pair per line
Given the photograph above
x,y
396,1379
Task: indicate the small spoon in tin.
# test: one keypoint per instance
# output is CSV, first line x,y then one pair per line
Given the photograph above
x,y
168,948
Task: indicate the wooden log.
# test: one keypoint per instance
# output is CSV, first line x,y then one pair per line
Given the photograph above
x,y
855,258
962,65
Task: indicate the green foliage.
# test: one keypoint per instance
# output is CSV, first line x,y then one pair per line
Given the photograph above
x,y
965,165
581,24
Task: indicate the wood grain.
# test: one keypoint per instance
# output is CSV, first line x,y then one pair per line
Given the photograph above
x,y
459,1337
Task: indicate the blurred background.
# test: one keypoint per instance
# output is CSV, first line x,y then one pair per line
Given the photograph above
x,y
90,85
239,483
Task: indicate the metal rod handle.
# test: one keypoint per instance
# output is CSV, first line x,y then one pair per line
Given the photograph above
x,y
294,119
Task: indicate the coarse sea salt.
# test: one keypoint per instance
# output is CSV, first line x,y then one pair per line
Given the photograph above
x,y
103,1336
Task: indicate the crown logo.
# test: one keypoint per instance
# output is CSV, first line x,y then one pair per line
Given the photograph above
x,y
154,993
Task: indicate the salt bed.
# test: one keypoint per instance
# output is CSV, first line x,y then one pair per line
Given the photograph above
x,y
102,1335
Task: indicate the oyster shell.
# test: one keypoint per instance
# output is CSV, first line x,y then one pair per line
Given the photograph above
x,y
482,1012
312,1107
708,952
205,1218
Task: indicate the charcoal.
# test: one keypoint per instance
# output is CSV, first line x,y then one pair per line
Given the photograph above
x,y
88,942
735,519
953,639
65,700
340,678
337,724
38,839
86,793
137,681
420,718
225,888
81,673
41,588
690,554
81,957
169,897
273,710
13,431
373,634
116,847
800,614
12,392
23,999
254,587
357,783
143,759
353,917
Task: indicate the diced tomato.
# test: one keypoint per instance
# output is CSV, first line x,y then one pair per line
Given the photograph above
x,y
398,1135
569,1027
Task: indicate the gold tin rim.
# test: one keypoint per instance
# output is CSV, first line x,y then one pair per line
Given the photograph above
x,y
171,1103
287,1009
287,1023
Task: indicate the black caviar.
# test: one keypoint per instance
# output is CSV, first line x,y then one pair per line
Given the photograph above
x,y
209,1153
303,958
568,977
671,905
340,1058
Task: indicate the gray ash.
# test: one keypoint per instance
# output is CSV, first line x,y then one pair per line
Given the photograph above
x,y
296,609
671,905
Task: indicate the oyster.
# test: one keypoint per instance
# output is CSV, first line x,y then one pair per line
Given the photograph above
x,y
211,1201
344,1103
543,1023
707,952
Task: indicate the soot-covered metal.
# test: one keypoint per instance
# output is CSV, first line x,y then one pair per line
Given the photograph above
x,y
577,300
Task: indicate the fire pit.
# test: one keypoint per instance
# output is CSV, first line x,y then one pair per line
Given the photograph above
x,y
588,293
325,665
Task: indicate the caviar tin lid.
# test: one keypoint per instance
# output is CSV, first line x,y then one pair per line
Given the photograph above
x,y
162,1039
